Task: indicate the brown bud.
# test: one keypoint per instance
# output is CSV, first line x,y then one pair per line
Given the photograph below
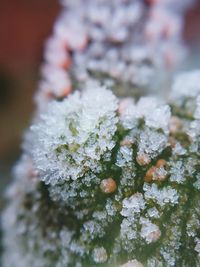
x,y
160,163
108,186
149,174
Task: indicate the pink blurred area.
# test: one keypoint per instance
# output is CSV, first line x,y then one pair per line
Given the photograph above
x,y
24,26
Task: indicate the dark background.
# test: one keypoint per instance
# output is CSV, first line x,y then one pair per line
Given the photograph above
x,y
24,26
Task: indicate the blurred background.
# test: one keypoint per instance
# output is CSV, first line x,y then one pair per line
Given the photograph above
x,y
24,26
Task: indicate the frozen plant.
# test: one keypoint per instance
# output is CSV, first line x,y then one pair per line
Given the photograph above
x,y
109,181
109,177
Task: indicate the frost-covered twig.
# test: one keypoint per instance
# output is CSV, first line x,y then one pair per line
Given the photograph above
x,y
108,179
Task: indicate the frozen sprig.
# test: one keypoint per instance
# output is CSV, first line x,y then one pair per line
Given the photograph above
x,y
107,180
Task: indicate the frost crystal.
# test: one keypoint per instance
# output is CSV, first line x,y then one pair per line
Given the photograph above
x,y
161,196
152,143
153,213
150,232
132,205
75,134
100,255
155,115
177,172
187,85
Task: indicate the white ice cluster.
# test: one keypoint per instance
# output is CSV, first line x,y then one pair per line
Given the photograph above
x,y
134,226
162,197
148,119
186,94
149,231
132,205
100,255
75,135
177,172
152,143
186,85
152,110
124,156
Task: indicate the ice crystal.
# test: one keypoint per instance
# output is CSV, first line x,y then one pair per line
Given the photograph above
x,y
177,172
152,143
153,213
161,196
155,114
72,145
187,85
149,231
132,205
100,255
